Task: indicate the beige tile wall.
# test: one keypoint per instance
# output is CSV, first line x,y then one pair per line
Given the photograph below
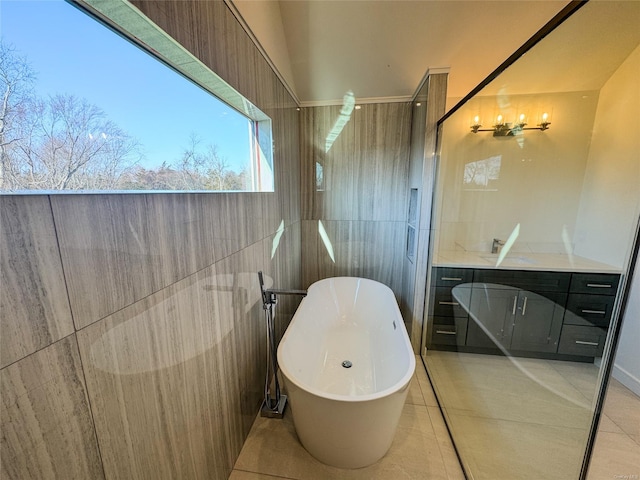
x,y
363,202
30,262
47,431
132,341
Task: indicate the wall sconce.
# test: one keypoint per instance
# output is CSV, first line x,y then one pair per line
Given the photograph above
x,y
503,129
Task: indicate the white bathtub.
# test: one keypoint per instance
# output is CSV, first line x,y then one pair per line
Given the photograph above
x,y
346,417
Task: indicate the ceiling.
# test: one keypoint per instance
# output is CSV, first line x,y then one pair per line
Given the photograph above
x,y
580,55
381,49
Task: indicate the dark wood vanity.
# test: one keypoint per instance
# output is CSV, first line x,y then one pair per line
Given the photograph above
x,y
542,314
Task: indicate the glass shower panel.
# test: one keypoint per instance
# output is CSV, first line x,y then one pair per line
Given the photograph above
x,y
536,211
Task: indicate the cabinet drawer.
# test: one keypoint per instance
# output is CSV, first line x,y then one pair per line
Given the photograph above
x,y
585,341
446,332
596,283
450,277
525,280
589,310
444,305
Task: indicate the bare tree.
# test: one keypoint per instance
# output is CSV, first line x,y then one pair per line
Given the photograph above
x,y
67,143
58,143
16,84
206,169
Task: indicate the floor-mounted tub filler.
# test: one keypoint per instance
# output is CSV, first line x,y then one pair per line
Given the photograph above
x,y
274,403
347,362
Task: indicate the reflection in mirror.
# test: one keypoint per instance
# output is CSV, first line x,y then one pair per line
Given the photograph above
x,y
536,210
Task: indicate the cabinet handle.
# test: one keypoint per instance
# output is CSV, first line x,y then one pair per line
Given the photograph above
x,y
455,304
515,303
445,332
524,305
596,312
451,279
598,285
592,344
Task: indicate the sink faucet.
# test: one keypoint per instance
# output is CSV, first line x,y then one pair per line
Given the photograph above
x,y
497,245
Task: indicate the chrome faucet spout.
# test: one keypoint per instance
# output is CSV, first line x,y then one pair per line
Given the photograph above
x,y
497,245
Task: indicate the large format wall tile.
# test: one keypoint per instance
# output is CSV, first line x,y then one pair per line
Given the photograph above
x,y
47,432
360,249
34,308
286,125
210,31
282,254
365,170
107,250
117,249
175,379
354,192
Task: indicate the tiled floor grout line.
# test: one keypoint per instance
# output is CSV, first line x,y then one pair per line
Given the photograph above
x,y
438,438
443,457
263,474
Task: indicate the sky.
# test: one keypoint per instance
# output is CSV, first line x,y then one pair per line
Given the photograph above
x,y
72,53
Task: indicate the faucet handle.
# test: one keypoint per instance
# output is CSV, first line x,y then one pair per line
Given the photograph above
x,y
497,245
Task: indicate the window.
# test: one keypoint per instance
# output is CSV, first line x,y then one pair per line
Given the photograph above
x,y
90,111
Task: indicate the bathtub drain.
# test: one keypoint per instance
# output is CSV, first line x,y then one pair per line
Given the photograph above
x,y
347,364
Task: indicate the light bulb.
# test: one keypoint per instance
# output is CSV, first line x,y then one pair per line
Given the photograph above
x,y
545,115
499,120
476,119
522,118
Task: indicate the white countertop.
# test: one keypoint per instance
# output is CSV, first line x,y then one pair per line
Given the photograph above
x,y
553,262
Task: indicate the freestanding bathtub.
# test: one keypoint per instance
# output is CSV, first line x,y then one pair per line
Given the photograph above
x,y
347,361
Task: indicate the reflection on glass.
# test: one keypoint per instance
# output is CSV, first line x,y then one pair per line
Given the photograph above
x,y
324,236
531,249
319,177
348,103
276,239
479,173
510,330
129,345
506,247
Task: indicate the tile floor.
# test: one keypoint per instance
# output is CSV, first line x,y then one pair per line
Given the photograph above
x,y
537,446
529,419
616,454
422,448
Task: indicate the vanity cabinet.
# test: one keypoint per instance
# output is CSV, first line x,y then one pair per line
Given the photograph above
x,y
530,313
525,310
450,320
588,314
538,321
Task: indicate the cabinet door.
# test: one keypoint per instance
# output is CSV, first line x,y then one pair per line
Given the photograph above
x,y
538,322
491,315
